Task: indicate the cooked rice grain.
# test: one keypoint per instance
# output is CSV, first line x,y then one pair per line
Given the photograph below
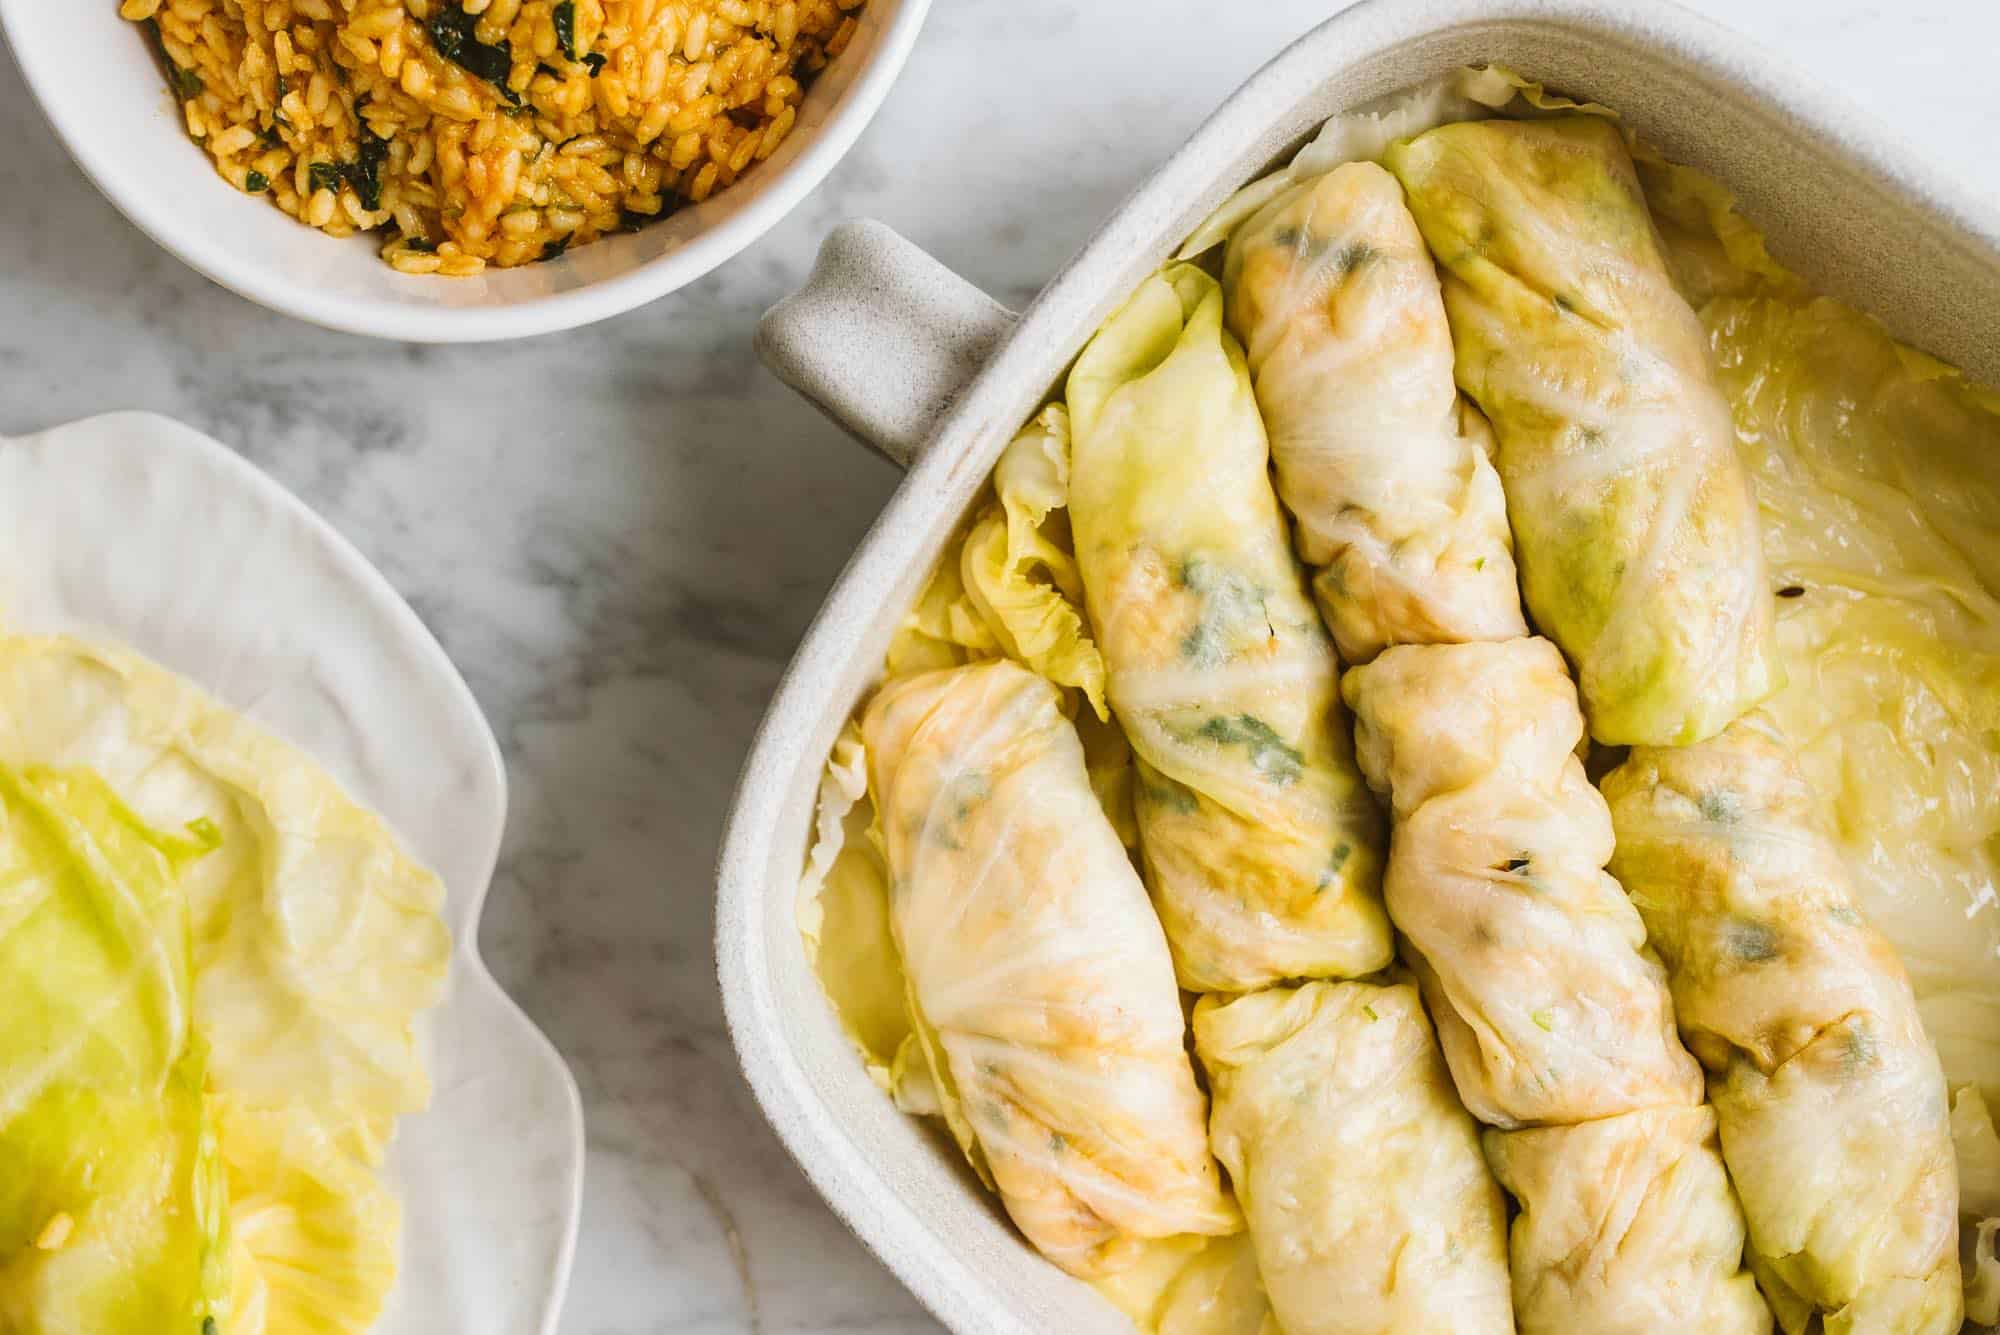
x,y
476,132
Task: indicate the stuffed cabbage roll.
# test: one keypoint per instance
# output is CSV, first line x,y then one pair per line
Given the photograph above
x,y
1370,1207
1834,1118
1554,1017
1381,462
1634,524
1627,1225
1261,846
1040,983
1549,1006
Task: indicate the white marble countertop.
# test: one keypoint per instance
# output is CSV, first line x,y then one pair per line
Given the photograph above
x,y
620,533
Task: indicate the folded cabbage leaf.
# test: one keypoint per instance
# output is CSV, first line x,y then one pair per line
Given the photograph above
x,y
112,1202
1016,564
1370,1208
1261,846
1835,1122
1978,1150
1039,979
1383,465
312,1228
1634,525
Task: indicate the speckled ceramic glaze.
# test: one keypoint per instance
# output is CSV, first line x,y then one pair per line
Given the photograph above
x,y
883,340
227,579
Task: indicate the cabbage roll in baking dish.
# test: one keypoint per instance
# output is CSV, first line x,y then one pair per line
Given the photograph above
x,y
1260,843
1383,465
1833,1108
1627,1225
1549,1007
1370,1207
1552,1013
1634,524
1039,979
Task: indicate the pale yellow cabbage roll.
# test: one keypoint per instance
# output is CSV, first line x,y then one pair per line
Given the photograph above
x,y
1835,1122
1383,465
1554,1016
1261,846
1627,1227
1039,978
1369,1204
1549,1006
1634,524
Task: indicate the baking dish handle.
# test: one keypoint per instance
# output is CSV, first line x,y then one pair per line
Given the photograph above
x,y
881,337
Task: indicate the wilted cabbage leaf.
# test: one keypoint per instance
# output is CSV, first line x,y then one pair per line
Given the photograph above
x,y
1017,565
308,942
313,1228
111,1201
1872,464
1007,584
1873,476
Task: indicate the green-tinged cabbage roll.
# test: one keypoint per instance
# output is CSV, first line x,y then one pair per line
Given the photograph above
x,y
1370,1207
1549,1006
1261,846
1381,462
1627,1227
1835,1122
1039,979
1634,524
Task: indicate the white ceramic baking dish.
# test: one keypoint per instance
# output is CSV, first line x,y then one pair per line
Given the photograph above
x,y
937,376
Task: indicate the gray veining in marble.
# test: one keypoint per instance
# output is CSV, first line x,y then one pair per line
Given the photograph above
x,y
619,534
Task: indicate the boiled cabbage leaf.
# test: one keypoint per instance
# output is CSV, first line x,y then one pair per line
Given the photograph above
x,y
112,1207
1017,568
1007,584
311,943
1871,469
313,1228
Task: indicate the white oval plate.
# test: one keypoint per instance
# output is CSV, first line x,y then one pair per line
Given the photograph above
x,y
136,529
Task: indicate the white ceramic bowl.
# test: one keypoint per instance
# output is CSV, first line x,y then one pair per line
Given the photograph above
x,y
936,375
229,580
102,90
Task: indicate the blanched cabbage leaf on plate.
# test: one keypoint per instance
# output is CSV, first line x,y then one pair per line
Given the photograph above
x,y
113,1211
1261,847
312,943
1007,585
